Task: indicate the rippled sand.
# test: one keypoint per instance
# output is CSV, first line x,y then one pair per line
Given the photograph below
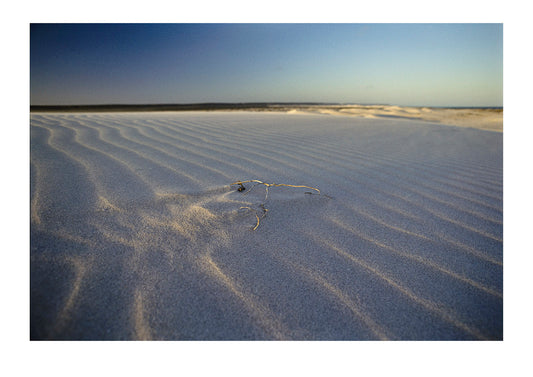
x,y
136,232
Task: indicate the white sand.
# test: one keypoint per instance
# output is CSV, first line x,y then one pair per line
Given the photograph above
x,y
485,119
136,233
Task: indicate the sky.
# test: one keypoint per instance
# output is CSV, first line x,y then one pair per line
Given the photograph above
x,y
399,64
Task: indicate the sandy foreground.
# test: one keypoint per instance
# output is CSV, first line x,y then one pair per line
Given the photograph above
x,y
137,233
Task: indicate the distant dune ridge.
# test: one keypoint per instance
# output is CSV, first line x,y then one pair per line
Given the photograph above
x,y
476,117
136,232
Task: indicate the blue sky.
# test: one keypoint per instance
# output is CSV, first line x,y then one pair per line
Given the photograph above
x,y
402,64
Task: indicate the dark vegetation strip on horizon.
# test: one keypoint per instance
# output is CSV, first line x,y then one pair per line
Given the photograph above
x,y
167,107
212,106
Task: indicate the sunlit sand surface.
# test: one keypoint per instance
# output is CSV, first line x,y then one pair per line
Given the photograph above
x,y
481,118
136,232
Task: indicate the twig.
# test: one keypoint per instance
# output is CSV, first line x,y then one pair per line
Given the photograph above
x,y
267,185
255,213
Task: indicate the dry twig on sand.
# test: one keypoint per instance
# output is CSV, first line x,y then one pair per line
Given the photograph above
x,y
256,215
267,185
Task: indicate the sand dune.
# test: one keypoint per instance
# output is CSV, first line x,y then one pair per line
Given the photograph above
x,y
136,232
485,119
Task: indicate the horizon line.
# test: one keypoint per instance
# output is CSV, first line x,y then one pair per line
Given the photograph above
x,y
221,106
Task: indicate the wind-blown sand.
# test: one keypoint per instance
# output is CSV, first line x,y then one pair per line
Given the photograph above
x,y
137,234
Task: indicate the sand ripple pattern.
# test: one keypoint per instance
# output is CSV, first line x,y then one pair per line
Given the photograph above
x,y
136,234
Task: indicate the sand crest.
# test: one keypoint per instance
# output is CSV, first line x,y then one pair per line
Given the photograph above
x,y
480,118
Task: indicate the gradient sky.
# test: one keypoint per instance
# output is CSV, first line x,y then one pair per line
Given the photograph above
x,y
401,64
